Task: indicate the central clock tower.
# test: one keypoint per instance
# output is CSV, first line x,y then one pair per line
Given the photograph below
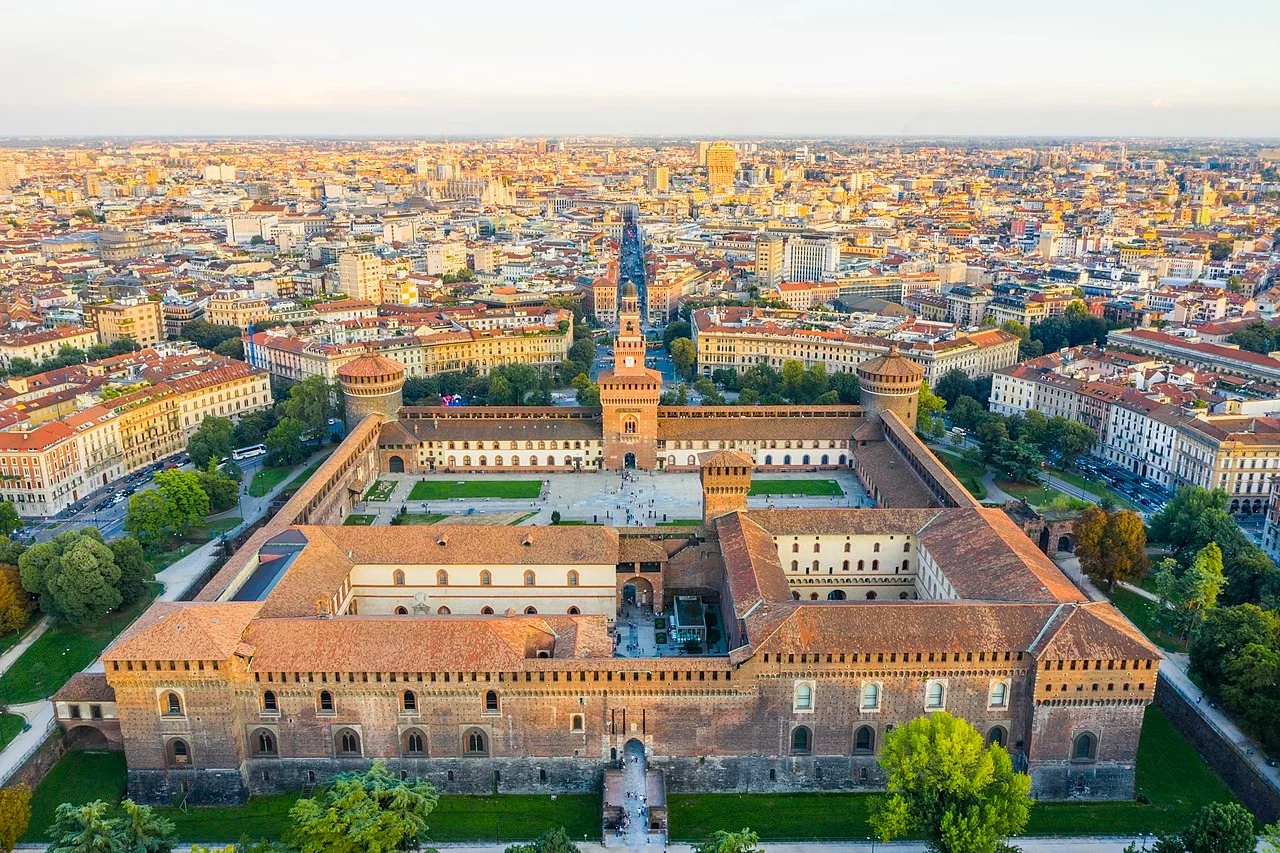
x,y
629,394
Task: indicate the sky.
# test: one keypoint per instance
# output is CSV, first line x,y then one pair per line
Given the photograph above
x,y
652,67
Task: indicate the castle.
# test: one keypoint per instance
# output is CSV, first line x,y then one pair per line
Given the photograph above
x,y
511,658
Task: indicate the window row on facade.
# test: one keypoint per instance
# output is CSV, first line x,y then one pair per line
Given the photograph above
x,y
530,578
869,697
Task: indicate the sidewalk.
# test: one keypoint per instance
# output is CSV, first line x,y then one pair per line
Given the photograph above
x,y
7,659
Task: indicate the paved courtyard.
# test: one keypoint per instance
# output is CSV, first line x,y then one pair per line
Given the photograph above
x,y
631,498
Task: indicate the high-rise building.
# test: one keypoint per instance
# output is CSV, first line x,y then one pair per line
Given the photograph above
x,y
360,275
722,162
658,180
702,153
811,258
769,259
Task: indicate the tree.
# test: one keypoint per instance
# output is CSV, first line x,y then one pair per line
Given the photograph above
x,y
678,329
1217,828
1066,440
1194,518
231,348
141,830
943,784
1017,461
223,490
682,356
1271,838
1220,250
15,815
499,393
84,829
15,602
208,335
552,841
1224,633
181,489
150,518
284,442
1112,546
366,812
10,523
710,394
1192,591
312,401
744,841
953,385
966,412
253,427
135,571
75,575
847,387
214,439
929,411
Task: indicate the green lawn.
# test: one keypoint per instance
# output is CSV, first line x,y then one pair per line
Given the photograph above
x,y
181,546
439,490
1145,613
304,475
359,520
1170,774
80,777
10,726
522,519
267,479
1036,495
12,638
419,518
968,472
795,486
380,491
1094,487
61,652
681,522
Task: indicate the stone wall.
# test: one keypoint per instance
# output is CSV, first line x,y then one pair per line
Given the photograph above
x,y
41,761
1220,753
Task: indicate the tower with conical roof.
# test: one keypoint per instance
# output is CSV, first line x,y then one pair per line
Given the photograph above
x,y
371,383
629,394
891,383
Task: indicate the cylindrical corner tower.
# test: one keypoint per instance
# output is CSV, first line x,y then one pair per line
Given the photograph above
x,y
371,383
891,382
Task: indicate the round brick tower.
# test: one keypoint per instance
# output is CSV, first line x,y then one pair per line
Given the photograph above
x,y
891,382
371,383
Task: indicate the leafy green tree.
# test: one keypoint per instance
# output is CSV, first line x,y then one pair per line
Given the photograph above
x,y
85,829
722,841
992,432
929,411
213,440
15,815
10,523
74,574
182,490
1112,546
208,335
500,393
150,517
284,442
847,387
370,812
1066,440
223,490
678,329
1017,461
1256,337
1220,250
1193,518
135,571
953,385
711,395
1224,633
253,427
1217,828
552,841
1271,838
682,356
943,784
312,401
1192,591
141,830
966,413
231,348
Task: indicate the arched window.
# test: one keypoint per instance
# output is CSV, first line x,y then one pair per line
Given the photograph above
x,y
848,546
804,697
998,697
795,565
264,743
486,611
996,736
815,565
864,739
871,595
269,702
1084,748
442,578
347,742
906,547
398,578
326,702
475,743
862,565
817,547
574,611
801,740
573,578
795,547
531,611
172,704
845,566
876,548
443,611
409,701
414,743
935,695
530,579
533,461
576,723
870,697
906,565
486,579
875,565
490,702
179,752
402,611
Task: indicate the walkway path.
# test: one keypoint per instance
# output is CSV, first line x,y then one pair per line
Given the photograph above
x,y
7,659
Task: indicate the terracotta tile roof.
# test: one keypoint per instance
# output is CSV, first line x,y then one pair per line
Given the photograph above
x,y
1093,631
800,522
86,687
184,631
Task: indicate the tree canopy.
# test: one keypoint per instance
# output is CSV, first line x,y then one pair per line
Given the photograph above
x,y
1112,546
214,439
723,841
369,812
74,574
552,841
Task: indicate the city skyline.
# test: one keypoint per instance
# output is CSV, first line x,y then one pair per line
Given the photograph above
x,y
916,70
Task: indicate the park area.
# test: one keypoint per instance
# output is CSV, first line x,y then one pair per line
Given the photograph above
x,y
441,490
795,486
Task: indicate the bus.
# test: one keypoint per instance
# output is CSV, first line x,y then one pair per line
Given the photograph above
x,y
249,452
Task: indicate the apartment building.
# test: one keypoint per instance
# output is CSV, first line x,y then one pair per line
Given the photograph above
x,y
360,276
1197,353
43,344
769,259
235,308
139,320
1238,455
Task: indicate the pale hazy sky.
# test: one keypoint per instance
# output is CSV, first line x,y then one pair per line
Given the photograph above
x,y
794,67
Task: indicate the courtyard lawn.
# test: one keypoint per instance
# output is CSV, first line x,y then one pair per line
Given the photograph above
x,y
10,726
440,490
1170,774
78,778
1145,613
267,479
380,491
412,518
522,519
796,486
62,651
968,472
359,520
681,522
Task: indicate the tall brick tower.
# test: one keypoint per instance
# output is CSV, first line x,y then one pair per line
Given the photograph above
x,y
891,382
629,394
726,480
371,383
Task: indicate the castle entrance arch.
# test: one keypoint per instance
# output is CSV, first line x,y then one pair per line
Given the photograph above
x,y
629,461
637,592
395,465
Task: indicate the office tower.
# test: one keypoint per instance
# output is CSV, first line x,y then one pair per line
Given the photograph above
x,y
811,258
360,275
722,162
659,179
702,153
769,259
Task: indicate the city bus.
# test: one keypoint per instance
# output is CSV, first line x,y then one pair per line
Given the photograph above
x,y
249,452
